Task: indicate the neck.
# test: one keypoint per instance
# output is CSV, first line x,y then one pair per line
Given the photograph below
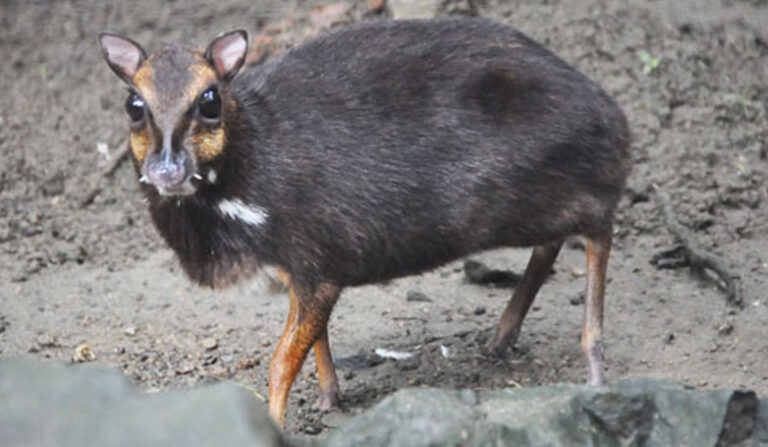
x,y
219,232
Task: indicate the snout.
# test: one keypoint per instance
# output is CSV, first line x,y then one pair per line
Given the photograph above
x,y
169,174
165,174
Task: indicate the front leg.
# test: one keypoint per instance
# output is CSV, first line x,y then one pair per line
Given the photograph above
x,y
307,322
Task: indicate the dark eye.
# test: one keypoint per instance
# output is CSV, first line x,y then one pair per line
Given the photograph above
x,y
210,104
135,107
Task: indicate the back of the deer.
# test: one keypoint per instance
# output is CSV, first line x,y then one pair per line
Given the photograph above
x,y
400,146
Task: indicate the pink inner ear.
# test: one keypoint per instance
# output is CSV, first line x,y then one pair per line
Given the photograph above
x,y
228,53
122,54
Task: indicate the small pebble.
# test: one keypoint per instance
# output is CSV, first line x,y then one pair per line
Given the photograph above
x,y
185,367
83,354
209,343
209,359
479,310
577,300
725,329
246,362
414,296
129,331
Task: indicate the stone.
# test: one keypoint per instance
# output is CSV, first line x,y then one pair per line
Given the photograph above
x,y
209,343
632,412
50,404
478,273
417,297
412,417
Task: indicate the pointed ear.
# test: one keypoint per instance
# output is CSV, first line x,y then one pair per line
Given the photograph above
x,y
122,54
227,53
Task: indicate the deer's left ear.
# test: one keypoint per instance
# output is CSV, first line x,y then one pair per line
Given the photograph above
x,y
122,55
227,53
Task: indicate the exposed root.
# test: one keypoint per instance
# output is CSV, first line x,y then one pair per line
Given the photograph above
x,y
697,258
95,190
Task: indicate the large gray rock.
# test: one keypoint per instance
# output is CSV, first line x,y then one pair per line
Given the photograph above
x,y
49,404
631,413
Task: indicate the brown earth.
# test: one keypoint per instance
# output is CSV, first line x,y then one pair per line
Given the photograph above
x,y
691,76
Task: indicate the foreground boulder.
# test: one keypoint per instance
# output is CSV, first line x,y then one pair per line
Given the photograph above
x,y
631,413
49,404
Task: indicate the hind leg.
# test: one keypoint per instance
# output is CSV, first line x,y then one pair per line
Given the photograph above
x,y
539,266
328,383
598,250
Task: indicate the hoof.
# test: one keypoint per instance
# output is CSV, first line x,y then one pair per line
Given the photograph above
x,y
496,350
499,347
327,401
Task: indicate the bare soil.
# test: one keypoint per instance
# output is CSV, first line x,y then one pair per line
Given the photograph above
x,y
691,76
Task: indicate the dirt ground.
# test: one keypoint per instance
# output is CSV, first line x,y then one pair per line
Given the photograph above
x,y
691,76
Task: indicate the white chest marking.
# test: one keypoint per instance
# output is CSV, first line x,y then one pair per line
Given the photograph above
x,y
250,214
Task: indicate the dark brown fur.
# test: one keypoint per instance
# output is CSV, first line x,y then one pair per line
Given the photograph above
x,y
390,148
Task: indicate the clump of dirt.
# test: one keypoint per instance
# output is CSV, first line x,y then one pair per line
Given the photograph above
x,y
691,76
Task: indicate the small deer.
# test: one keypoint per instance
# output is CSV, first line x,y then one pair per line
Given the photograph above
x,y
373,152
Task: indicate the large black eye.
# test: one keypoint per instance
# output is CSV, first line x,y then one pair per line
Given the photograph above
x,y
210,104
135,107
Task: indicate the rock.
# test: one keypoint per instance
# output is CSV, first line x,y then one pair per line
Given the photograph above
x,y
761,429
209,343
49,404
577,300
53,186
83,354
632,412
478,273
247,362
412,417
417,297
725,329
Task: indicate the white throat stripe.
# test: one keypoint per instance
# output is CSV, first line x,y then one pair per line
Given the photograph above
x,y
250,214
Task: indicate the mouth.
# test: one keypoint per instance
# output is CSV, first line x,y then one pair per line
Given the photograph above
x,y
184,187
171,176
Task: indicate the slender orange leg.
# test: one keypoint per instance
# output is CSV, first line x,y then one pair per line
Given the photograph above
x,y
328,383
542,258
307,320
598,250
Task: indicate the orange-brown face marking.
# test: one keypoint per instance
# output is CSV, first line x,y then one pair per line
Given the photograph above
x,y
141,141
207,145
202,76
142,80
170,84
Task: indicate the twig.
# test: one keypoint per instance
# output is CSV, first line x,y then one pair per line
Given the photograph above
x,y
699,260
120,156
